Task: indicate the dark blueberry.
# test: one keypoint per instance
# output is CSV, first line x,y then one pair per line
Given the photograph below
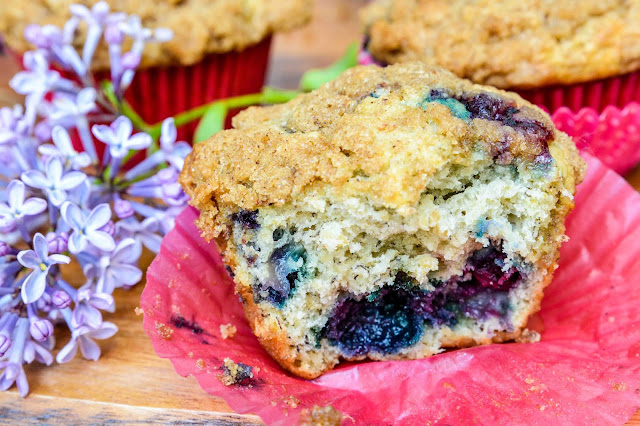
x,y
486,304
278,234
385,324
489,107
486,266
456,107
242,372
247,218
286,268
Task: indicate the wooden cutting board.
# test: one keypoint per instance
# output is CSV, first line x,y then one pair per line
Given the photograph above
x,y
130,383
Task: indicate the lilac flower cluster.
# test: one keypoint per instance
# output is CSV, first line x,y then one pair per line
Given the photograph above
x,y
59,206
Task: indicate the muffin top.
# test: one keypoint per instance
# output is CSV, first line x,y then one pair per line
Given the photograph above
x,y
509,43
377,132
200,27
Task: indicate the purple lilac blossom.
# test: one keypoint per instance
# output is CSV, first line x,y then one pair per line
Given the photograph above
x,y
13,371
118,137
61,299
88,306
82,337
87,227
54,181
118,268
17,207
40,262
147,232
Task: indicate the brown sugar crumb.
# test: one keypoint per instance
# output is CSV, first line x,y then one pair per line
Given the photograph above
x,y
321,416
138,311
619,387
528,336
233,373
190,354
164,331
227,331
201,364
292,401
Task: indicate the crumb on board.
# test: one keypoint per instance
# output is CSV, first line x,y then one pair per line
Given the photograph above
x,y
227,331
291,401
321,416
190,354
528,336
138,310
201,364
164,331
234,373
619,387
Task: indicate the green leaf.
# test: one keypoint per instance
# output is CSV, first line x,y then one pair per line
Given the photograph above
x,y
315,78
212,122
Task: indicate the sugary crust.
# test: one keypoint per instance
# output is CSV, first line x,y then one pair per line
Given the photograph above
x,y
200,27
340,132
509,43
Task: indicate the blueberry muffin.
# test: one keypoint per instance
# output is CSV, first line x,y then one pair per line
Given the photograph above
x,y
391,214
509,43
200,27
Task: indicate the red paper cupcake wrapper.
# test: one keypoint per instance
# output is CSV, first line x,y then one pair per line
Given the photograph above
x,y
586,369
615,91
158,93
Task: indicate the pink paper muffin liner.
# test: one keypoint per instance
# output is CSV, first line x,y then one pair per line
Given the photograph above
x,y
585,369
613,135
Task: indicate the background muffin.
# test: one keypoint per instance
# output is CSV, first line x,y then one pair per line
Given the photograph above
x,y
220,48
555,54
390,214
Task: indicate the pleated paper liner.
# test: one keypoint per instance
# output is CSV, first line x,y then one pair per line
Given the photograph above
x,y
613,135
585,370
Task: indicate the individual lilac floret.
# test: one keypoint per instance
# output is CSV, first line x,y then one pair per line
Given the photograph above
x,y
38,78
41,329
40,262
87,227
17,207
170,151
96,18
54,181
61,299
58,243
118,136
147,232
70,111
12,125
13,371
88,307
162,185
56,45
118,268
82,337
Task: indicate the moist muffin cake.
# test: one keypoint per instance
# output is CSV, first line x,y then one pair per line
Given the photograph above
x,y
525,45
219,49
391,214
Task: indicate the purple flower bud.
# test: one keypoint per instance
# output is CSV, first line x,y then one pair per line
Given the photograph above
x,y
42,131
109,228
113,34
8,228
130,61
57,242
4,249
168,175
61,299
123,209
5,344
41,329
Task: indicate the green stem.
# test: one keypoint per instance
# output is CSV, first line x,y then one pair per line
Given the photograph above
x,y
268,95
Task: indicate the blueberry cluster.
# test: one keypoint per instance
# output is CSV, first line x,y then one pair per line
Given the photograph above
x,y
287,266
395,316
487,107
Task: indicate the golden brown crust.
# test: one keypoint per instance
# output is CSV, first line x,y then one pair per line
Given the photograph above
x,y
509,43
200,27
339,133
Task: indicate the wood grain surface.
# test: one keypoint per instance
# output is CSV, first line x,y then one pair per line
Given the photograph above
x,y
131,384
